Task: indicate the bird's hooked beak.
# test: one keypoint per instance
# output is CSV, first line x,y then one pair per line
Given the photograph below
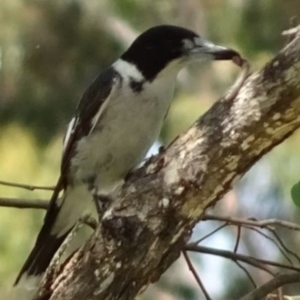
x,y
202,49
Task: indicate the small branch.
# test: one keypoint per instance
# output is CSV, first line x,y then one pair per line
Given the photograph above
x,y
274,242
256,262
247,273
291,31
264,224
235,249
285,247
238,238
280,293
192,269
253,222
26,186
275,297
209,234
24,203
278,281
230,255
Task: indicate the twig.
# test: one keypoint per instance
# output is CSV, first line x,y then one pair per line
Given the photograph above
x,y
278,281
266,224
192,269
285,297
256,262
284,246
247,273
291,32
238,238
280,293
26,186
24,203
230,255
209,234
253,222
274,242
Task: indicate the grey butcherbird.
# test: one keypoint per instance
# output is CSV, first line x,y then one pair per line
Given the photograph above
x,y
117,120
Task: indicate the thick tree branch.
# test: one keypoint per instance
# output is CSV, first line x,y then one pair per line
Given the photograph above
x,y
143,232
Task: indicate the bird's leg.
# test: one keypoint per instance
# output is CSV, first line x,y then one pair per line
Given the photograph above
x,y
102,202
103,199
90,221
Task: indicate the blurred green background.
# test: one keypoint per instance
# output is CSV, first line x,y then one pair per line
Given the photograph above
x,y
50,50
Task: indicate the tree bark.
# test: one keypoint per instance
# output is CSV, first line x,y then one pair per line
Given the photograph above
x,y
143,232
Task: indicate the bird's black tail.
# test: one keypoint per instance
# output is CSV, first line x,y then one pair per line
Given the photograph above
x,y
41,255
45,246
60,219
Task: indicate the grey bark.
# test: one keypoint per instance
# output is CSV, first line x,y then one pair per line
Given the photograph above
x,y
143,232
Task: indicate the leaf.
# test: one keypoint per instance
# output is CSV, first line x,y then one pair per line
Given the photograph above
x,y
295,193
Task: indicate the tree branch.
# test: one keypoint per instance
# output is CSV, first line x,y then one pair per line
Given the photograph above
x,y
253,222
270,286
255,262
24,203
196,276
27,186
143,232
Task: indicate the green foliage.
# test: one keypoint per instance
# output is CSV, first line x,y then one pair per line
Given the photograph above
x,y
58,51
295,194
22,160
51,50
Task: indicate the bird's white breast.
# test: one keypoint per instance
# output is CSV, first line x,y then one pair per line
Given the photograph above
x,y
125,131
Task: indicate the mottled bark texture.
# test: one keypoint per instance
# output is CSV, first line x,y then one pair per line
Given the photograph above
x,y
143,232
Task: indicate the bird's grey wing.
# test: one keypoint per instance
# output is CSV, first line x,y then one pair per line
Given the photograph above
x,y
90,106
88,112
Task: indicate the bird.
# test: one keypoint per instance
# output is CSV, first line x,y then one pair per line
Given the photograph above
x,y
117,120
